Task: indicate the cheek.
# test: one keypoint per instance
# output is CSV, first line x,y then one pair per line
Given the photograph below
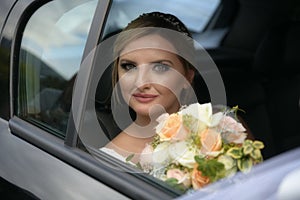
x,y
174,83
125,85
127,80
167,93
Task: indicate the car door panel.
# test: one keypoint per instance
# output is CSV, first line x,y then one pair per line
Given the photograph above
x,y
44,175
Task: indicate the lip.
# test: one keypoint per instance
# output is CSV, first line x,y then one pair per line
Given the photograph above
x,y
144,98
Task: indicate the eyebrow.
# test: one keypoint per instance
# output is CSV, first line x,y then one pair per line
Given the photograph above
x,y
126,61
162,61
155,61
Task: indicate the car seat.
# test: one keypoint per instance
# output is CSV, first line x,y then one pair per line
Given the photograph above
x,y
278,63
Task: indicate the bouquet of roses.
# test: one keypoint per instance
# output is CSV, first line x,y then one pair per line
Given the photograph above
x,y
195,147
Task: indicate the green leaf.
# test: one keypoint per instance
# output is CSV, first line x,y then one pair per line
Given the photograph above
x,y
256,154
139,166
235,152
173,182
248,149
199,160
248,142
212,169
228,161
129,157
245,164
235,109
258,144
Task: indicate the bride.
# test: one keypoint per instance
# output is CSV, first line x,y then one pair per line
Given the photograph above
x,y
152,75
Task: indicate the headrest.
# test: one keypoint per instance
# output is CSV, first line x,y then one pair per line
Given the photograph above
x,y
104,90
278,53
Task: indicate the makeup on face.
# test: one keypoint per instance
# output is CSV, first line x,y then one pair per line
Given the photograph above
x,y
151,76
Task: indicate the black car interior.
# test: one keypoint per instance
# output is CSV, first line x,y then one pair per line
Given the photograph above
x,y
259,62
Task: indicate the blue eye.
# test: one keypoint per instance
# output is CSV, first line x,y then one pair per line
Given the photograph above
x,y
127,66
160,67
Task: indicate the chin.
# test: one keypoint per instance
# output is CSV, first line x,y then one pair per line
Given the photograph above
x,y
149,110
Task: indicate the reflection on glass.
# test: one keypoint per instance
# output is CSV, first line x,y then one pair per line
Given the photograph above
x,y
51,51
195,14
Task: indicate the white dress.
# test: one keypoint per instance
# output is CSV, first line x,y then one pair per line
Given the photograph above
x,y
145,157
113,153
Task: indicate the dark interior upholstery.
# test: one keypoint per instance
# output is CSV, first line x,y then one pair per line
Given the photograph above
x,y
103,105
253,19
259,64
278,62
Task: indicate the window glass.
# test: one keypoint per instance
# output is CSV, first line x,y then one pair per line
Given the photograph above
x,y
195,14
50,55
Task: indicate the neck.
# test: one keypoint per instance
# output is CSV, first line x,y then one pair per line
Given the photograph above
x,y
142,128
154,113
143,120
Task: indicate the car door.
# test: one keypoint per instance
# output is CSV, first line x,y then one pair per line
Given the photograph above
x,y
55,54
35,153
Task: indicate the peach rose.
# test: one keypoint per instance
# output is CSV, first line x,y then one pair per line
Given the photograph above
x,y
198,180
181,176
211,141
170,127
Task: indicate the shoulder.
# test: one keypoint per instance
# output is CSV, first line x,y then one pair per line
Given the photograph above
x,y
121,142
118,147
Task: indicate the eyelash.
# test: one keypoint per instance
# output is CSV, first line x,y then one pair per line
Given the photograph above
x,y
127,66
157,67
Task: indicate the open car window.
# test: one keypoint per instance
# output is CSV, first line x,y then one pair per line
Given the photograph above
x,y
121,12
98,126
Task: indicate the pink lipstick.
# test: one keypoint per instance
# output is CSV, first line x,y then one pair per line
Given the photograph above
x,y
144,98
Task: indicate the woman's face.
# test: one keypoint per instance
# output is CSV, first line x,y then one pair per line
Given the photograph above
x,y
149,75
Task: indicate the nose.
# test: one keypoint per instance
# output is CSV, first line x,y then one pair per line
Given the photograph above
x,y
142,79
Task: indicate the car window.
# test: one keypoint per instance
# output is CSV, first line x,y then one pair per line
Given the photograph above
x,y
195,14
51,50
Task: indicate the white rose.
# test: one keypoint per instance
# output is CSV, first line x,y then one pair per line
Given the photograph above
x,y
183,153
216,118
161,155
203,112
146,158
